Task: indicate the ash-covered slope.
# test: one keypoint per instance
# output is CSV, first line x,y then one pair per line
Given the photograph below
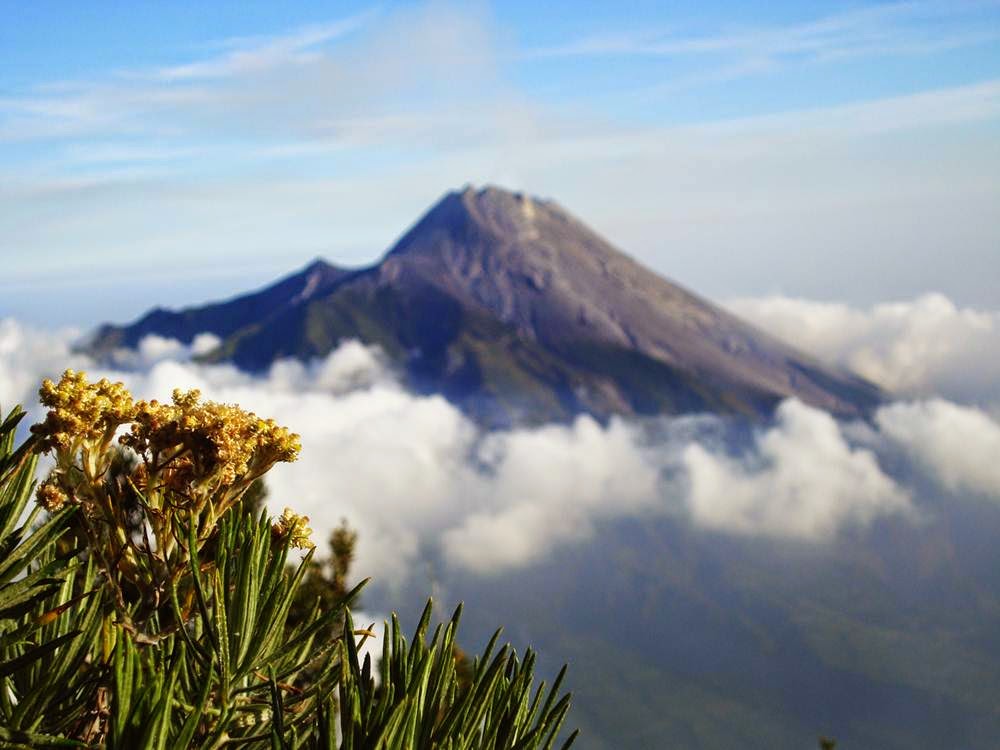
x,y
515,310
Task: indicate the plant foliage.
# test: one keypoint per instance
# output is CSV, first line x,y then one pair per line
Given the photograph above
x,y
140,607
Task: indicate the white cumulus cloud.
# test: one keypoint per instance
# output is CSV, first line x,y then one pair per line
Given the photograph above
x,y
547,486
27,355
153,349
802,480
921,347
959,445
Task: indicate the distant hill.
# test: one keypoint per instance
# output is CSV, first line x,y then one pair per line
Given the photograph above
x,y
516,311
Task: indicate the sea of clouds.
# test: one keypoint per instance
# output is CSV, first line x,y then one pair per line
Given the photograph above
x,y
423,485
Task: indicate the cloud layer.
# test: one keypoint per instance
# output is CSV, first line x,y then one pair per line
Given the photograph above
x,y
425,487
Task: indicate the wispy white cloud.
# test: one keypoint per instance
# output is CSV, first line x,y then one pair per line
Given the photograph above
x,y
956,104
259,54
360,75
728,54
124,152
888,29
288,84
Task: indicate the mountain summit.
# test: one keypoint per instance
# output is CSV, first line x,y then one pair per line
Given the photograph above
x,y
515,310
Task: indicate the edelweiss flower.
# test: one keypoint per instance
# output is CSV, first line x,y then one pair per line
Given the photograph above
x,y
295,528
50,496
81,412
207,442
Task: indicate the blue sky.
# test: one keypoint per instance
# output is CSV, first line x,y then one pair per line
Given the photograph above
x,y
167,153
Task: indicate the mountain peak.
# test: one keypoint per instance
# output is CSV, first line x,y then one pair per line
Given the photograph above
x,y
512,227
496,198
507,304
505,210
318,264
316,276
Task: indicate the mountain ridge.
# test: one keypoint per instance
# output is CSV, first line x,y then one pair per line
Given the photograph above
x,y
514,309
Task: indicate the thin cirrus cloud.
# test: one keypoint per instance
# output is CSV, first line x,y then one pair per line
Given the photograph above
x,y
127,92
255,55
313,82
424,486
287,84
888,29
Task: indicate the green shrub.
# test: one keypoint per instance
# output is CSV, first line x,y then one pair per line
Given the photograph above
x,y
139,610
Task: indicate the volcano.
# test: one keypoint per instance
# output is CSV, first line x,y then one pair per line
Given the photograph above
x,y
517,312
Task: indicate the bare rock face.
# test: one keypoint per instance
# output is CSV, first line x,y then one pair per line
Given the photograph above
x,y
515,310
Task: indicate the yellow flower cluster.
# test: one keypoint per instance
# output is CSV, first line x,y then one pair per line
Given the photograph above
x,y
193,461
51,496
295,527
197,443
80,411
203,452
